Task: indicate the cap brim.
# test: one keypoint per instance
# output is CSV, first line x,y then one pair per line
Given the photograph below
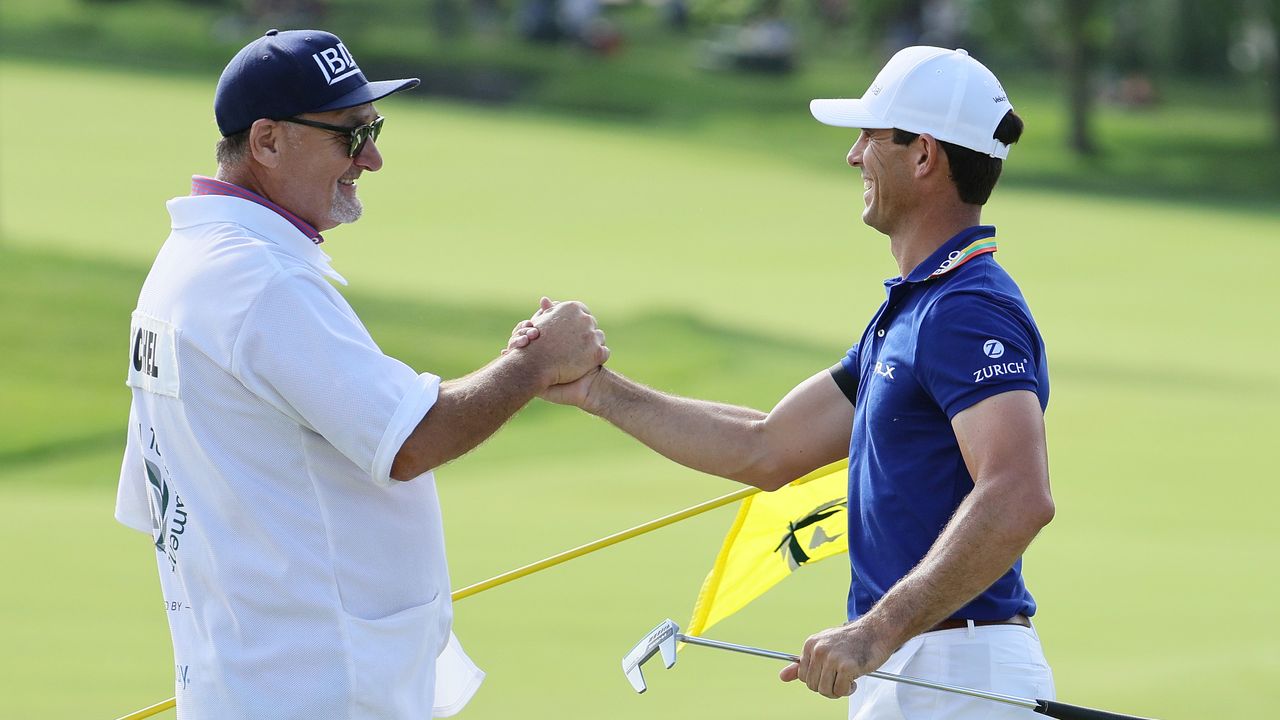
x,y
846,112
368,93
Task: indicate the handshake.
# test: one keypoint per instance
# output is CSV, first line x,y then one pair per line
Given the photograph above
x,y
567,345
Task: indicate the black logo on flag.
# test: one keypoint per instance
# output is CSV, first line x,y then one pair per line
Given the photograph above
x,y
791,547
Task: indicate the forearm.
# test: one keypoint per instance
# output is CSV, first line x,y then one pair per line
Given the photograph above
x,y
714,438
467,411
989,532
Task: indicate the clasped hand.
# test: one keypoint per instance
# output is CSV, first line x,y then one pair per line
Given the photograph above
x,y
568,335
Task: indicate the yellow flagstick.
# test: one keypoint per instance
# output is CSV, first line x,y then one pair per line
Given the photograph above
x,y
549,562
614,539
147,712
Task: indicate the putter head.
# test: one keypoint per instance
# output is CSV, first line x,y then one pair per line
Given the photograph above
x,y
660,639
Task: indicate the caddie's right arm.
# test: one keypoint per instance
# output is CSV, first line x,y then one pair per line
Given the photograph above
x,y
470,409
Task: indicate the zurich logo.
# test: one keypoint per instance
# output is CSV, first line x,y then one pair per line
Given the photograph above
x,y
993,348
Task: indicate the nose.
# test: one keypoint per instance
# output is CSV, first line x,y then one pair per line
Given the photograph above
x,y
369,158
854,158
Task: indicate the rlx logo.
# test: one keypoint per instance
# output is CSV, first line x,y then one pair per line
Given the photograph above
x,y
884,370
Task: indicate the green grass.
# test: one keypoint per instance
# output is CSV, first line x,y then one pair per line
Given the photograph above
x,y
719,270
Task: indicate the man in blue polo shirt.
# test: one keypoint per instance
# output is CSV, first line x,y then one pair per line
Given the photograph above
x,y
939,405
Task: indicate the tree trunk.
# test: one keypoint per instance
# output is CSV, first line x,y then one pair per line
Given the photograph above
x,y
1078,66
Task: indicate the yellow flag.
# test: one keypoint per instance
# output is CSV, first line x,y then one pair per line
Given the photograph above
x,y
773,535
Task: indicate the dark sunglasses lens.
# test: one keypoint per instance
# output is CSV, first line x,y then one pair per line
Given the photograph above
x,y
364,134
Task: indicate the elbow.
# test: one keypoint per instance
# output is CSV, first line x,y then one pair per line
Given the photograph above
x,y
1038,512
1042,508
410,463
402,467
1020,508
769,473
761,463
1044,511
767,481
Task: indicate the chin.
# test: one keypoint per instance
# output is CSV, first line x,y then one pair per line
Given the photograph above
x,y
346,211
872,222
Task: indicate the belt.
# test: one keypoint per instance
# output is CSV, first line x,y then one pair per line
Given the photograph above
x,y
957,623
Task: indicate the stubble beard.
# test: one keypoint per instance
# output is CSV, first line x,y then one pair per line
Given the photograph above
x,y
346,208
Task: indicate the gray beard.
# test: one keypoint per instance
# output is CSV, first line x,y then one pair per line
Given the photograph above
x,y
345,210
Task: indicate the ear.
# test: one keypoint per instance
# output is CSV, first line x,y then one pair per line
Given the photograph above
x,y
266,140
930,157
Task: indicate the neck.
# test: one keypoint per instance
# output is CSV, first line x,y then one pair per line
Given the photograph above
x,y
921,235
255,178
242,177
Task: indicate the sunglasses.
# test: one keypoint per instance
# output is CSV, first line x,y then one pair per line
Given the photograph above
x,y
359,135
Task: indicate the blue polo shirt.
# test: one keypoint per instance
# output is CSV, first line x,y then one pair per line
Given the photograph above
x,y
954,332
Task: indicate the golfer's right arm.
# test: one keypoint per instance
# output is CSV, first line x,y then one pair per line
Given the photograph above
x,y
807,429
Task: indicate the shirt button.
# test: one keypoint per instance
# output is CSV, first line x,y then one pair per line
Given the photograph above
x,y
880,332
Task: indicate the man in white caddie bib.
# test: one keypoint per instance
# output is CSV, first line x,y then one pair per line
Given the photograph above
x,y
280,461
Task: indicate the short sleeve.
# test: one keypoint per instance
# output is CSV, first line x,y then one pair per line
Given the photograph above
x,y
974,346
846,374
303,350
132,508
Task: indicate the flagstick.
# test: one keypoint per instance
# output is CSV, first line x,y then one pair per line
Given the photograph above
x,y
614,539
147,712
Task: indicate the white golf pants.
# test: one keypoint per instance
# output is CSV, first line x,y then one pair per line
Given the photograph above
x,y
1005,659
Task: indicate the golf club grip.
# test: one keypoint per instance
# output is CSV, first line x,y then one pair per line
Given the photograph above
x,y
1064,711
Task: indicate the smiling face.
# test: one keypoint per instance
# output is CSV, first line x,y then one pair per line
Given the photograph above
x,y
319,178
887,172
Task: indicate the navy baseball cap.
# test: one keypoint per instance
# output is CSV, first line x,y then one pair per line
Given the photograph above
x,y
290,72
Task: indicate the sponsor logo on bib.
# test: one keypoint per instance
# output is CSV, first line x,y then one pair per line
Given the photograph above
x,y
168,512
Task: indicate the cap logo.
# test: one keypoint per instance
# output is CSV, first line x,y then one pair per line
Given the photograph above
x,y
875,89
336,63
1001,98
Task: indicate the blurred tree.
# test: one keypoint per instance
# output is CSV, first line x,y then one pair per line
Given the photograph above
x,y
1079,18
447,18
1273,72
1202,36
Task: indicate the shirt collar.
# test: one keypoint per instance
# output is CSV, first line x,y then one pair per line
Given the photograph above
x,y
960,249
264,222
201,185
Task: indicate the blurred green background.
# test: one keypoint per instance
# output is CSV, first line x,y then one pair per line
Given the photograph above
x,y
658,162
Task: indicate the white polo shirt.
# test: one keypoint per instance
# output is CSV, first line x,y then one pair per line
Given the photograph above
x,y
299,579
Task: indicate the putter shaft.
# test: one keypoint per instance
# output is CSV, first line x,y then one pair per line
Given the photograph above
x,y
748,650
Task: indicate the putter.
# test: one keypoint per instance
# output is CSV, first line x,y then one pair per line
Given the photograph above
x,y
663,639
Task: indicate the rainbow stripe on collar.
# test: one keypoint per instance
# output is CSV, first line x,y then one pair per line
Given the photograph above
x,y
959,257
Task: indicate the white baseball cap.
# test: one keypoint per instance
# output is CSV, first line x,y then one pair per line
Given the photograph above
x,y
922,89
